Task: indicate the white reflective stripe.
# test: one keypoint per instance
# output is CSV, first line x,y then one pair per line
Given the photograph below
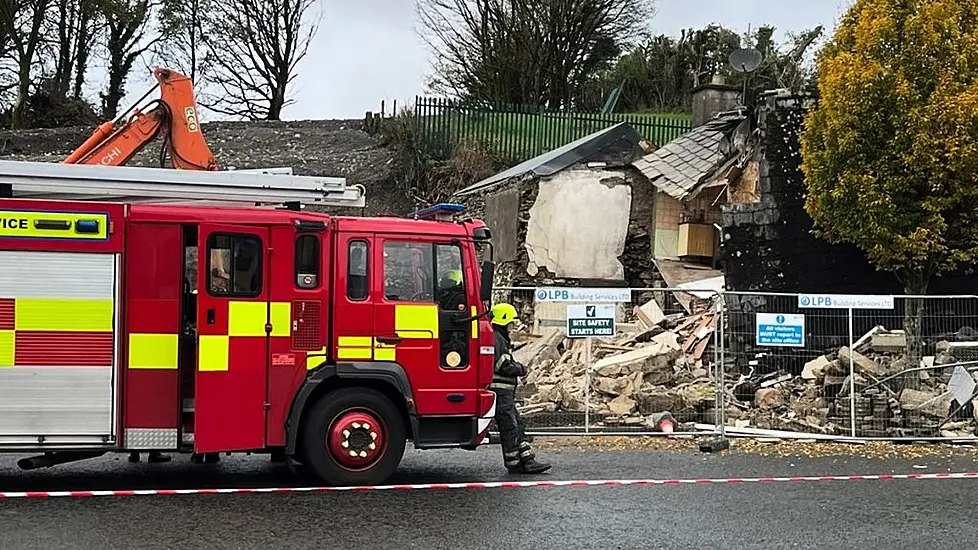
x,y
487,350
484,422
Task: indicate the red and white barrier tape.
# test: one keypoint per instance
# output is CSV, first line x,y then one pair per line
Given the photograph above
x,y
488,485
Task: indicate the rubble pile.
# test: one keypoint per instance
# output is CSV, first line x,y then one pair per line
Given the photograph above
x,y
893,399
647,370
661,365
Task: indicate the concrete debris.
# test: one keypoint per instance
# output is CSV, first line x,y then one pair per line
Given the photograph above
x,y
768,398
814,368
862,363
646,370
893,398
650,368
650,314
889,342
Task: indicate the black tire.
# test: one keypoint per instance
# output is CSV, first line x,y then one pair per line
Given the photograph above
x,y
327,410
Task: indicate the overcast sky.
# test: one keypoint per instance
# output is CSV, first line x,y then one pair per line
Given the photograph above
x,y
368,50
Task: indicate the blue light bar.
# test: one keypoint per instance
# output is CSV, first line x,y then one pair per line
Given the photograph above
x,y
439,212
86,226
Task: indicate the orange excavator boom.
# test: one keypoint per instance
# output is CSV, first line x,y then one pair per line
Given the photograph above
x,y
174,114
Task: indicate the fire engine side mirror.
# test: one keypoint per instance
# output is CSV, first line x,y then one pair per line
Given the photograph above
x,y
485,284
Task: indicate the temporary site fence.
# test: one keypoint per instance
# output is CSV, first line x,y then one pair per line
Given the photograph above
x,y
809,366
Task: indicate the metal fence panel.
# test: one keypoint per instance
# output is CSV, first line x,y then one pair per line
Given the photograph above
x,y
854,374
660,367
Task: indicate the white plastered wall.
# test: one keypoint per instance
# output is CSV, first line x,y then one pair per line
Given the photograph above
x,y
578,225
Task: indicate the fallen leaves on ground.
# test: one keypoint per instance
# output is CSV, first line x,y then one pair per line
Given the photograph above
x,y
782,448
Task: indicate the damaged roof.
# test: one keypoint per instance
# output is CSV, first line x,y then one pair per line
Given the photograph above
x,y
615,143
680,167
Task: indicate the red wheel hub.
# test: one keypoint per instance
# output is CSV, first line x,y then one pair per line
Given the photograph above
x,y
356,439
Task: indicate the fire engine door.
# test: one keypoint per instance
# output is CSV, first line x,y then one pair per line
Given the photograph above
x,y
233,339
423,316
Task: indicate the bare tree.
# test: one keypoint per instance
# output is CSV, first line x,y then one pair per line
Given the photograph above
x,y
7,9
182,45
24,23
526,51
76,27
254,47
127,26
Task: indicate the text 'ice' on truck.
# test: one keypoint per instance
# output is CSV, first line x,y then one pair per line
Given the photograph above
x,y
132,326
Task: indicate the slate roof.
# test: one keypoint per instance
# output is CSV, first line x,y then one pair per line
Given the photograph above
x,y
619,140
680,167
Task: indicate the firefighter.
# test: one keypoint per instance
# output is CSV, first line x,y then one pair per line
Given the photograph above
x,y
451,298
451,291
518,456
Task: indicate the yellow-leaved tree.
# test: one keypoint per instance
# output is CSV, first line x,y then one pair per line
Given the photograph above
x,y
890,153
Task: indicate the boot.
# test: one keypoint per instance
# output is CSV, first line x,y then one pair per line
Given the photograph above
x,y
156,457
530,467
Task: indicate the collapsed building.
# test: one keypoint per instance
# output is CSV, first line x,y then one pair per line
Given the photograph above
x,y
729,193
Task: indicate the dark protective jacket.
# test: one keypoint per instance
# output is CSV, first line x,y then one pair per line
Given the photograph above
x,y
452,298
507,370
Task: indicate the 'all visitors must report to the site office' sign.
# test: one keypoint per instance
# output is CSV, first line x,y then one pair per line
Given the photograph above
x,y
781,330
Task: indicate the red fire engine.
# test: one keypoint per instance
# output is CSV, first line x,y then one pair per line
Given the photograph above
x,y
128,323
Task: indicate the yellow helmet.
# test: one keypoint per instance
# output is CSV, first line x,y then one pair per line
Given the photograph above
x,y
503,314
455,276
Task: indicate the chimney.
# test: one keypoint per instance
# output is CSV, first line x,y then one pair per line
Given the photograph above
x,y
715,97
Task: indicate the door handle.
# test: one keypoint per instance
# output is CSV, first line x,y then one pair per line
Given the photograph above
x,y
210,316
390,339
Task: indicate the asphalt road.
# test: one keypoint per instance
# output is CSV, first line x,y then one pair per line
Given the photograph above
x,y
860,514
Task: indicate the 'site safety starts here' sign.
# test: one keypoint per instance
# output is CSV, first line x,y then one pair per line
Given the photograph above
x,y
584,321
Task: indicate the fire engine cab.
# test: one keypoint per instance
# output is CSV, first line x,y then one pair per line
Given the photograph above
x,y
143,309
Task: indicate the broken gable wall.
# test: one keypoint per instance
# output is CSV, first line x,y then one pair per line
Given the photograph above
x,y
768,246
582,226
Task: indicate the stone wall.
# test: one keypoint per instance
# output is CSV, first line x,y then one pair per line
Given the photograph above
x,y
768,246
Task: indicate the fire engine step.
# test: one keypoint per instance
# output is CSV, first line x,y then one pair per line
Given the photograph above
x,y
53,459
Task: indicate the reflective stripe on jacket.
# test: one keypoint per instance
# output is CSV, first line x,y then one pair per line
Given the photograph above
x,y
506,370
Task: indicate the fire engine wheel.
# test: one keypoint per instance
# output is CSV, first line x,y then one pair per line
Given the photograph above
x,y
354,436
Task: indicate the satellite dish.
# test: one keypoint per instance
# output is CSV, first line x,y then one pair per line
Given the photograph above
x,y
745,60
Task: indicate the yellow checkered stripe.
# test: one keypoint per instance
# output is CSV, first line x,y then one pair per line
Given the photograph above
x,y
411,321
245,319
47,315
364,348
154,351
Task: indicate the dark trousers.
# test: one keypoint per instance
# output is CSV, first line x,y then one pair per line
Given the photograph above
x,y
512,432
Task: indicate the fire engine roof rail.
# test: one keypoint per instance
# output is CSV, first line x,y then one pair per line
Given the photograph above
x,y
86,182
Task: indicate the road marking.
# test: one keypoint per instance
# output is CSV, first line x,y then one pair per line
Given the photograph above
x,y
488,485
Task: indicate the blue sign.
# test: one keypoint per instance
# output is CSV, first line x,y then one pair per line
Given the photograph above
x,y
780,330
